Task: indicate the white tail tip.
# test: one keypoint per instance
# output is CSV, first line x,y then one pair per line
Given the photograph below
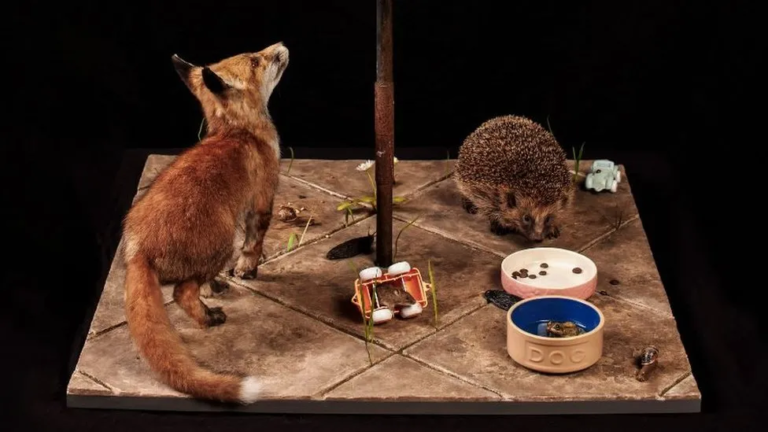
x,y
250,389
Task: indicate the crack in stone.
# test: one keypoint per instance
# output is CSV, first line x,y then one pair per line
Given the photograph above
x,y
675,383
98,381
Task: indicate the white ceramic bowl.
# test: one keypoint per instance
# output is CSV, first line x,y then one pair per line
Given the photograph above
x,y
560,278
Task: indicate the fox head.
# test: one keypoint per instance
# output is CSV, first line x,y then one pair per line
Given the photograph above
x,y
236,90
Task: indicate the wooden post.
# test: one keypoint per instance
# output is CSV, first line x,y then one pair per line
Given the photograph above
x,y
385,134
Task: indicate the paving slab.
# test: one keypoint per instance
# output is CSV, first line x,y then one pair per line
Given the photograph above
x,y
296,328
110,310
307,281
626,268
474,350
295,357
402,379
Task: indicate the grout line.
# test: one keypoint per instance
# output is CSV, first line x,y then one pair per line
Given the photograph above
x,y
675,383
101,332
98,381
315,186
436,331
454,375
440,179
642,306
322,236
597,240
322,393
307,314
469,244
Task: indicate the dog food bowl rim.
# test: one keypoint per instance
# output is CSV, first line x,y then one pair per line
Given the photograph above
x,y
595,330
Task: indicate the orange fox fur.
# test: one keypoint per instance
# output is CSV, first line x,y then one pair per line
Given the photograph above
x,y
183,229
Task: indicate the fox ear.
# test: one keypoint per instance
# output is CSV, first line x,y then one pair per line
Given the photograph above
x,y
183,68
214,82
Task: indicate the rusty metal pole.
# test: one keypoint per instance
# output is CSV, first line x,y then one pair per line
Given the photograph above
x,y
385,134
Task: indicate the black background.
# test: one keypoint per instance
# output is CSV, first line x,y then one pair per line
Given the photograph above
x,y
655,85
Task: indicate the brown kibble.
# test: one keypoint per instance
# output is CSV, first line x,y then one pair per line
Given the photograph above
x,y
543,273
516,274
544,265
532,276
614,282
523,270
577,270
603,292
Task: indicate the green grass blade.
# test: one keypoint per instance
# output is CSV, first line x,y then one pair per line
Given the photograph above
x,y
291,163
292,240
434,289
345,205
397,239
373,184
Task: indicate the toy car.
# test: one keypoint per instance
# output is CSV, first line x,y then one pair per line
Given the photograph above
x,y
604,174
398,273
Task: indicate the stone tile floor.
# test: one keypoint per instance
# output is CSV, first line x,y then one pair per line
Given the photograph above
x,y
296,328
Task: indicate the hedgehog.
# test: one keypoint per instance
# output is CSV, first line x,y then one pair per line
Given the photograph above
x,y
513,171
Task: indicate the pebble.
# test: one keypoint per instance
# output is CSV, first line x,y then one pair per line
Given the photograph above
x,y
614,282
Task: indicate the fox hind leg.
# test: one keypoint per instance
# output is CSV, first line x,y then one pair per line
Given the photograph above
x,y
187,296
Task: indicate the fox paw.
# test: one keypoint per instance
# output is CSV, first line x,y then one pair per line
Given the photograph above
x,y
213,288
246,268
215,316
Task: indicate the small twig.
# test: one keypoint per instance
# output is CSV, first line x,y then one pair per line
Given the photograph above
x,y
305,229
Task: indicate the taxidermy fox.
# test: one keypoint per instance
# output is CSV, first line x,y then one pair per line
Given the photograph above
x,y
182,231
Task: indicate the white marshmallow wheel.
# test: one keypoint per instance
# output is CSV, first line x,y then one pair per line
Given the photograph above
x,y
411,310
381,315
399,268
370,273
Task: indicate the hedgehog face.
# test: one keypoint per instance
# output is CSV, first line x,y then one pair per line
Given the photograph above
x,y
534,221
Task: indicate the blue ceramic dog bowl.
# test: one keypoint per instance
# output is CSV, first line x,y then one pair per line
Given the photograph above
x,y
529,345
